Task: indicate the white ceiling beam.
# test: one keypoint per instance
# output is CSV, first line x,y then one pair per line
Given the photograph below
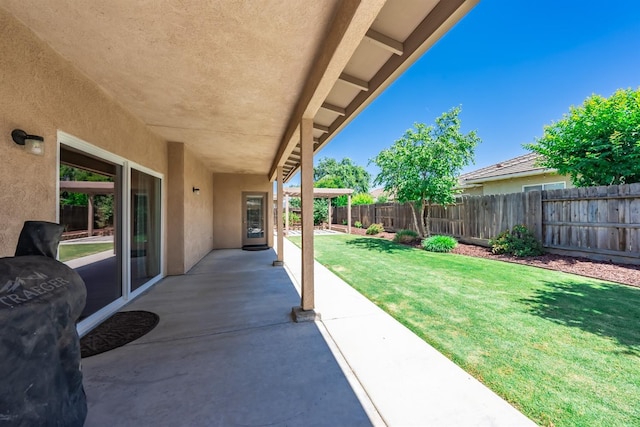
x,y
440,20
322,128
385,42
333,108
351,22
354,81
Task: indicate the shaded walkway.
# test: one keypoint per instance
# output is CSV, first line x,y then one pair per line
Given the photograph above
x,y
225,353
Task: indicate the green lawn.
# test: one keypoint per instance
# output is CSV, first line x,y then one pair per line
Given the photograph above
x,y
69,252
563,349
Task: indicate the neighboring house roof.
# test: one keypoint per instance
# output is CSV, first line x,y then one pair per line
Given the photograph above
x,y
376,193
517,167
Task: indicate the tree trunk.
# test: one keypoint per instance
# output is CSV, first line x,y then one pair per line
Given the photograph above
x,y
427,221
415,219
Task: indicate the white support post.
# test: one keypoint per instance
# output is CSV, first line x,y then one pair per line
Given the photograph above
x,y
329,205
279,218
305,312
286,215
349,213
90,215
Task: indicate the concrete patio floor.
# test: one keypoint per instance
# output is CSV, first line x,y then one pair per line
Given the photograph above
x,y
226,353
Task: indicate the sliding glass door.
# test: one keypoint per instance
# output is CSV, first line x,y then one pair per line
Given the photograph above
x,y
145,228
112,212
90,200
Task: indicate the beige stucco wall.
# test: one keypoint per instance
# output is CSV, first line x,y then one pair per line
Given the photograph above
x,y
515,185
42,93
198,208
475,191
227,207
175,209
190,221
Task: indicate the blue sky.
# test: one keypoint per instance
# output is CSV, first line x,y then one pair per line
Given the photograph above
x,y
513,66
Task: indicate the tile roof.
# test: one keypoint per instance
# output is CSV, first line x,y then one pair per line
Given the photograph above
x,y
517,165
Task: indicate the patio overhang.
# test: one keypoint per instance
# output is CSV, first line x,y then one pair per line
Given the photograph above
x,y
233,80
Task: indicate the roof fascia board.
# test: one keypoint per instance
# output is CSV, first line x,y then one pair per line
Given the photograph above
x,y
510,175
351,22
440,20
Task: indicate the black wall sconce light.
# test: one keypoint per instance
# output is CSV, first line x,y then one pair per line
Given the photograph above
x,y
196,190
33,144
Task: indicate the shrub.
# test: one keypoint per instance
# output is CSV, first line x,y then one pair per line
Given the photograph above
x,y
518,241
361,199
439,243
357,224
406,236
375,229
294,218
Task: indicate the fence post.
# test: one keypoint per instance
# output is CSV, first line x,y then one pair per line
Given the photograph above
x,y
533,213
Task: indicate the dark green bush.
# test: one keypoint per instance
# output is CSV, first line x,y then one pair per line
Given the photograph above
x,y
518,241
439,243
406,236
375,229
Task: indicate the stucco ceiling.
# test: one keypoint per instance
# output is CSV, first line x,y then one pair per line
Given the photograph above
x,y
227,77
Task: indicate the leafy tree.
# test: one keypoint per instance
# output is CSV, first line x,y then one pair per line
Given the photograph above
x,y
345,173
383,198
362,199
320,209
422,166
597,143
331,181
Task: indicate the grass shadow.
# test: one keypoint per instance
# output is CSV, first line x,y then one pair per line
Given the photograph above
x,y
610,311
377,244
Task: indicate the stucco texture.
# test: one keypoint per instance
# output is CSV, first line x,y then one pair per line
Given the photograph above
x,y
515,185
42,93
198,223
227,207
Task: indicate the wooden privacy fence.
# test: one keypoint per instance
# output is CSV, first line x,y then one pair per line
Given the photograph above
x,y
596,222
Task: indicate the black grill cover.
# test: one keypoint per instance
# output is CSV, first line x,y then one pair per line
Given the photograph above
x,y
41,300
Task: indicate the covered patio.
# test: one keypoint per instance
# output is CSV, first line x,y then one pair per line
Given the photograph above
x,y
208,104
226,352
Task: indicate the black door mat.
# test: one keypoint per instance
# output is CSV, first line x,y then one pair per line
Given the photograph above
x,y
255,247
118,330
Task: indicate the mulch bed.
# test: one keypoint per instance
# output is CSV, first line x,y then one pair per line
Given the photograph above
x,y
619,273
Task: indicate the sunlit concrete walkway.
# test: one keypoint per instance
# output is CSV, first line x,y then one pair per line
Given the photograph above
x,y
407,380
226,353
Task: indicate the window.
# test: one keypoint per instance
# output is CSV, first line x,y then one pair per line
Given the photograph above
x,y
540,187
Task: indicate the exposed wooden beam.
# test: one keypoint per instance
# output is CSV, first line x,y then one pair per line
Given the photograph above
x,y
350,23
322,128
385,42
354,81
434,26
333,108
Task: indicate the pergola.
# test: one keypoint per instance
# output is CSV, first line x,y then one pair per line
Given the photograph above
x,y
91,189
318,193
